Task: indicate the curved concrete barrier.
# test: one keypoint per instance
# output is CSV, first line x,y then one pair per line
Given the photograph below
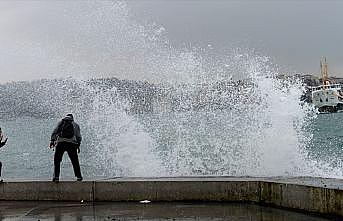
x,y
317,195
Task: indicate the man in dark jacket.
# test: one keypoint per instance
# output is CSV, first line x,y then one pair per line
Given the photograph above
x,y
66,137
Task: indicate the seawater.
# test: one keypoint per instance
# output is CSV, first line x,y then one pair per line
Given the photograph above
x,y
327,139
202,143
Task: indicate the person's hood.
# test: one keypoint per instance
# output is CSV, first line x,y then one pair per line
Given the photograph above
x,y
68,118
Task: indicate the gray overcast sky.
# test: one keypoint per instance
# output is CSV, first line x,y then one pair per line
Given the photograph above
x,y
295,34
58,38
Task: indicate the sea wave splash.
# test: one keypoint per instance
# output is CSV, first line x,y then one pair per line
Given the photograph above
x,y
195,113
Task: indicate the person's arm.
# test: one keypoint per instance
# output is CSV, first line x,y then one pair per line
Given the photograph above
x,y
54,134
78,136
3,143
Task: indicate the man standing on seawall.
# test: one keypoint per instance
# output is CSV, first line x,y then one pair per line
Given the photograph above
x,y
66,137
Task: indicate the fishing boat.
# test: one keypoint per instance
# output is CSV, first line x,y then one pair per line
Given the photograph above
x,y
328,97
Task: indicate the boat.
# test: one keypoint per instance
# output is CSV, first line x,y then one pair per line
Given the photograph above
x,y
328,97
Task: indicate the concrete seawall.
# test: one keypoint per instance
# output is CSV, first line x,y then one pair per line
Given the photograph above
x,y
317,195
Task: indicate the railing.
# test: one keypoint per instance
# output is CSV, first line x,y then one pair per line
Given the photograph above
x,y
325,87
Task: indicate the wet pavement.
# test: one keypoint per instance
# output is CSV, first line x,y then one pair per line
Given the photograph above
x,y
83,211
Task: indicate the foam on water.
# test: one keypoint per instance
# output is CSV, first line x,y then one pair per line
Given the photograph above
x,y
121,145
261,131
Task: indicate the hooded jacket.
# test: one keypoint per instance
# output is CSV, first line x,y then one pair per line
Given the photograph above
x,y
76,139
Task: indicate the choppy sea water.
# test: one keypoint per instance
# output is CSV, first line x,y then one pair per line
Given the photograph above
x,y
199,143
327,139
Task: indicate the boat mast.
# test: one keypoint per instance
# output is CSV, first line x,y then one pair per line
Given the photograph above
x,y
324,71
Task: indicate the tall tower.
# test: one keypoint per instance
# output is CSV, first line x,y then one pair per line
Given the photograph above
x,y
324,71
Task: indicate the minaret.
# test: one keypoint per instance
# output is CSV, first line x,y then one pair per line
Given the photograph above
x,y
324,71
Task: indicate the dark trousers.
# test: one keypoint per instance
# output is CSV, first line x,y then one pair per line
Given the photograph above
x,y
0,167
72,153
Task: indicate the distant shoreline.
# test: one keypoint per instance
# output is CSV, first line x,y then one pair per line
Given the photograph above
x,y
311,80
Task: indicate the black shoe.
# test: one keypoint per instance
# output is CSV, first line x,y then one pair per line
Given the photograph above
x,y
79,179
1,180
55,179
